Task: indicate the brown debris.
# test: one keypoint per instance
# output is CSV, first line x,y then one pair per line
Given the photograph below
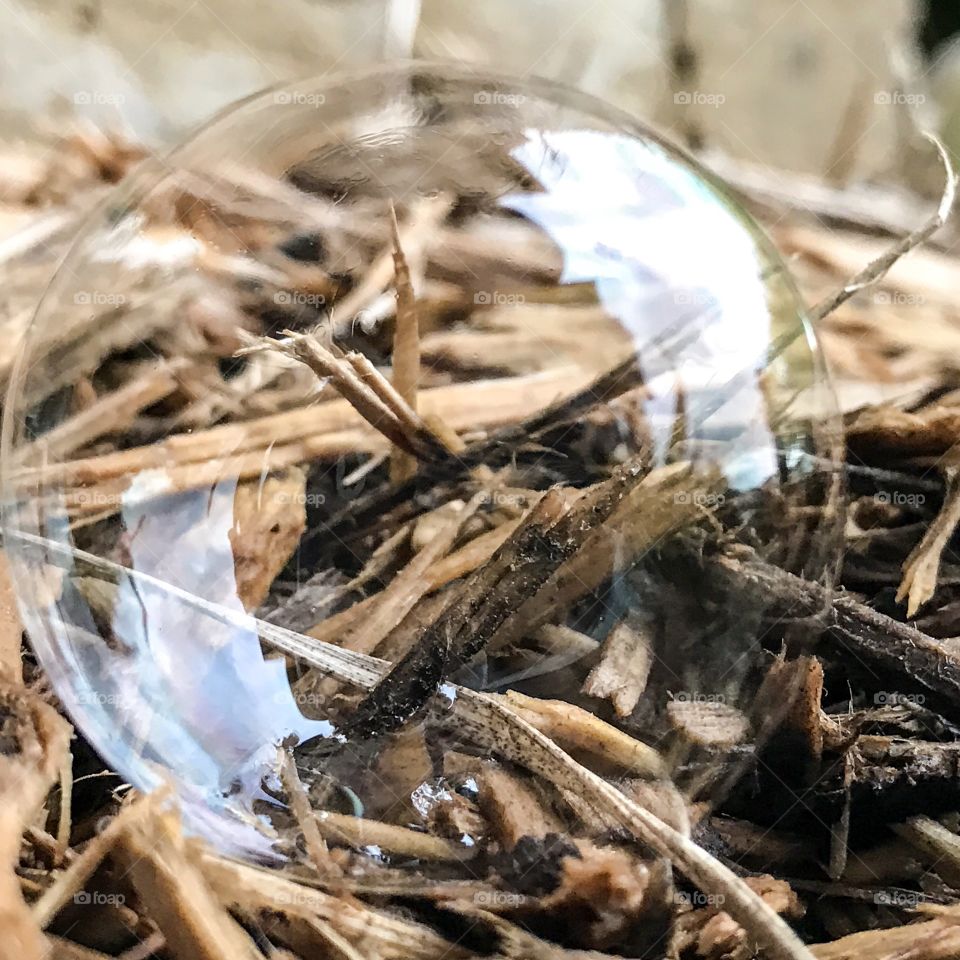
x,y
36,743
300,805
11,629
625,661
710,723
402,841
604,888
441,584
269,517
920,569
167,875
575,727
513,808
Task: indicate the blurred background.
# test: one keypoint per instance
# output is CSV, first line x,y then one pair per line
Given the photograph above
x,y
836,90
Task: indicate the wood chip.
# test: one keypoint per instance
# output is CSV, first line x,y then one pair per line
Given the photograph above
x,y
71,880
625,661
513,807
710,723
184,907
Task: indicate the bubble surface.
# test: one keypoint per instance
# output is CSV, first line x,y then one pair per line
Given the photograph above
x,y
593,308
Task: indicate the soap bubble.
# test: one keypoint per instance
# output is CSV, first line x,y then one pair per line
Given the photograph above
x,y
599,324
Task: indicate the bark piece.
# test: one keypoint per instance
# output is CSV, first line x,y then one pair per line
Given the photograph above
x,y
513,808
625,661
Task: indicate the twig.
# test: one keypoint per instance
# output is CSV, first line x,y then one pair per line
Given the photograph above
x,y
406,347
517,740
406,431
424,218
360,832
581,730
300,805
876,270
498,727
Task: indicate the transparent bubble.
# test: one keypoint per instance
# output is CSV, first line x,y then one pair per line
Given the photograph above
x,y
620,413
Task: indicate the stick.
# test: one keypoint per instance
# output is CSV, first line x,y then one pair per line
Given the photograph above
x,y
406,347
877,269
